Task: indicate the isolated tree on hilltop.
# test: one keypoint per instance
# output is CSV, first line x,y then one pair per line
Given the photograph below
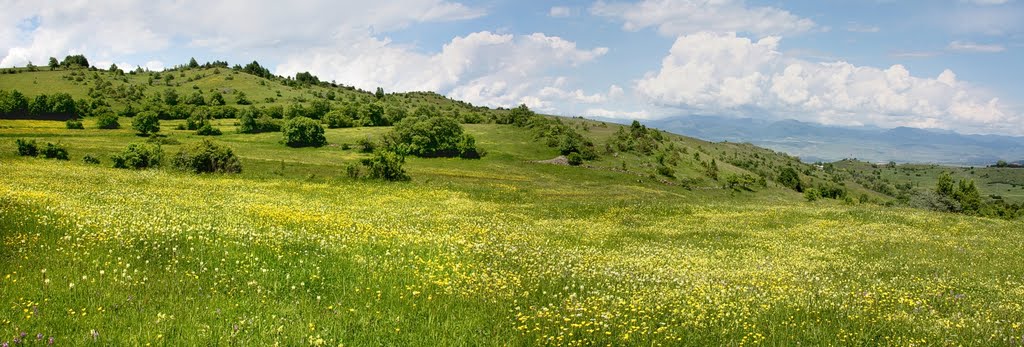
x,y
379,94
192,63
54,64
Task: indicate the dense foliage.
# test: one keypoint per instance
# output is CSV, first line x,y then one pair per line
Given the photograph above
x,y
139,156
146,123
430,135
386,165
303,132
206,157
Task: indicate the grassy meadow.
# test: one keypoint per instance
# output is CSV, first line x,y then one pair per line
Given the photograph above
x,y
496,251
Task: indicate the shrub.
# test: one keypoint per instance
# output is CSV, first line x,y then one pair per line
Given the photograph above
x,y
139,156
208,130
338,119
366,145
666,171
303,132
431,136
251,122
386,165
27,148
811,194
55,151
352,170
146,122
575,159
195,121
107,121
206,156
88,159
74,124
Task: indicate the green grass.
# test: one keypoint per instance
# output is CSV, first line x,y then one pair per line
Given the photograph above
x,y
496,251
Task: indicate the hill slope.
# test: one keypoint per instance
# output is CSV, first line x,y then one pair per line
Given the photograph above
x,y
659,239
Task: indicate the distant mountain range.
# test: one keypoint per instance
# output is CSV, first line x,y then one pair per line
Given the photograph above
x,y
814,142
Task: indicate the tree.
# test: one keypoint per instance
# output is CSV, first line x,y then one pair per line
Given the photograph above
x,y
114,68
39,105
54,64
431,137
206,157
216,99
375,114
139,156
303,132
146,122
107,121
306,78
944,186
170,97
30,66
196,98
193,64
386,165
379,94
790,178
967,195
77,60
12,102
62,103
241,99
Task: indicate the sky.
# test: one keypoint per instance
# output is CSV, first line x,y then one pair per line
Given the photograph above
x,y
944,64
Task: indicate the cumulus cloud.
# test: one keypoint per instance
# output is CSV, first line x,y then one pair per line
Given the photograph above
x,y
482,68
676,17
606,113
726,74
107,29
963,46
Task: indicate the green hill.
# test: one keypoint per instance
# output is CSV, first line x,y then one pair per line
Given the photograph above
x,y
654,239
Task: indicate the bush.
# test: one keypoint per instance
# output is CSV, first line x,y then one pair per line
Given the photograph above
x,y
74,124
303,132
88,159
139,156
431,136
575,159
811,194
386,165
52,151
352,170
27,148
146,123
107,121
366,145
666,171
208,130
251,122
338,119
206,156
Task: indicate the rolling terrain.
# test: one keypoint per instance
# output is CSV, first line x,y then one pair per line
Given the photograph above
x,y
657,239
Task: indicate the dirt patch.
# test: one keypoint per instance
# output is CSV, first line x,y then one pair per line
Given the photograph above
x,y
559,160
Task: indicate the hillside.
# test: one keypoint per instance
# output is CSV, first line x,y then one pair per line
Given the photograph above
x,y
654,239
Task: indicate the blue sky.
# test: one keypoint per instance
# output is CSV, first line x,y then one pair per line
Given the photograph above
x,y
948,64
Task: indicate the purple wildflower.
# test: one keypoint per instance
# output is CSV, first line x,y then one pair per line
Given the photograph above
x,y
39,336
50,341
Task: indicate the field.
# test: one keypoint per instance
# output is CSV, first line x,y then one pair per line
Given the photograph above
x,y
497,251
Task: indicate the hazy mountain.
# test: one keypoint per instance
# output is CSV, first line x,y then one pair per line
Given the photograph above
x,y
815,142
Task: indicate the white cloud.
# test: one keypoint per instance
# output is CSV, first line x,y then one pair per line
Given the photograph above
x,y
677,17
109,29
560,11
725,74
975,47
482,68
605,113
